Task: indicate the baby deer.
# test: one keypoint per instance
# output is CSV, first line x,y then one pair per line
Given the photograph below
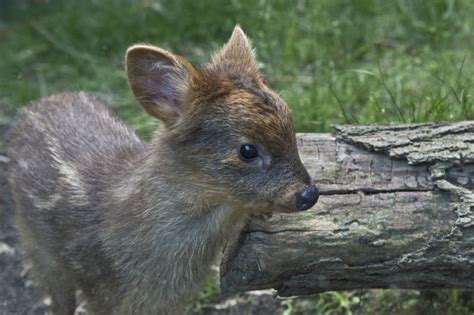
x,y
136,226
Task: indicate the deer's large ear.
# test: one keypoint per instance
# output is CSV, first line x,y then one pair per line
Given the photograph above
x,y
160,81
237,54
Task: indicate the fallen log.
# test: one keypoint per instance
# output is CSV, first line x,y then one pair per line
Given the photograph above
x,y
396,211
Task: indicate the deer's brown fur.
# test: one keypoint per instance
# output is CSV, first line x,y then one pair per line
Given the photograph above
x,y
136,226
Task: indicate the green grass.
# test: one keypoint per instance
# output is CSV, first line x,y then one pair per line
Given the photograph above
x,y
334,61
406,302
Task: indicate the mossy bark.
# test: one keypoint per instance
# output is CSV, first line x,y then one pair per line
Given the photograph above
x,y
396,211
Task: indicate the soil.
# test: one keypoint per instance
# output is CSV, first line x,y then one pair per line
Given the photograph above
x,y
18,295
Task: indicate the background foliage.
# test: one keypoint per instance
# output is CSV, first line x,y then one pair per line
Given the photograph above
x,y
339,61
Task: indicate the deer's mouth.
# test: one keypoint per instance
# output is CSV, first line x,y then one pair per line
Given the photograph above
x,y
285,208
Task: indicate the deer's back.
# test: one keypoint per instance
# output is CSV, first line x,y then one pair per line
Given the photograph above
x,y
63,150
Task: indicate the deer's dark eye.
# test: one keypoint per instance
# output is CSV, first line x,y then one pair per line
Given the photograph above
x,y
248,152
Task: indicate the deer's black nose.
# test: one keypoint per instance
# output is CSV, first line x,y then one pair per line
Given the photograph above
x,y
306,198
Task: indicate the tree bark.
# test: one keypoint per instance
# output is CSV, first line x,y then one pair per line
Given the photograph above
x,y
396,211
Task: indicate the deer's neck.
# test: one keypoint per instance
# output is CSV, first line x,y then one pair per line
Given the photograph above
x,y
165,229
